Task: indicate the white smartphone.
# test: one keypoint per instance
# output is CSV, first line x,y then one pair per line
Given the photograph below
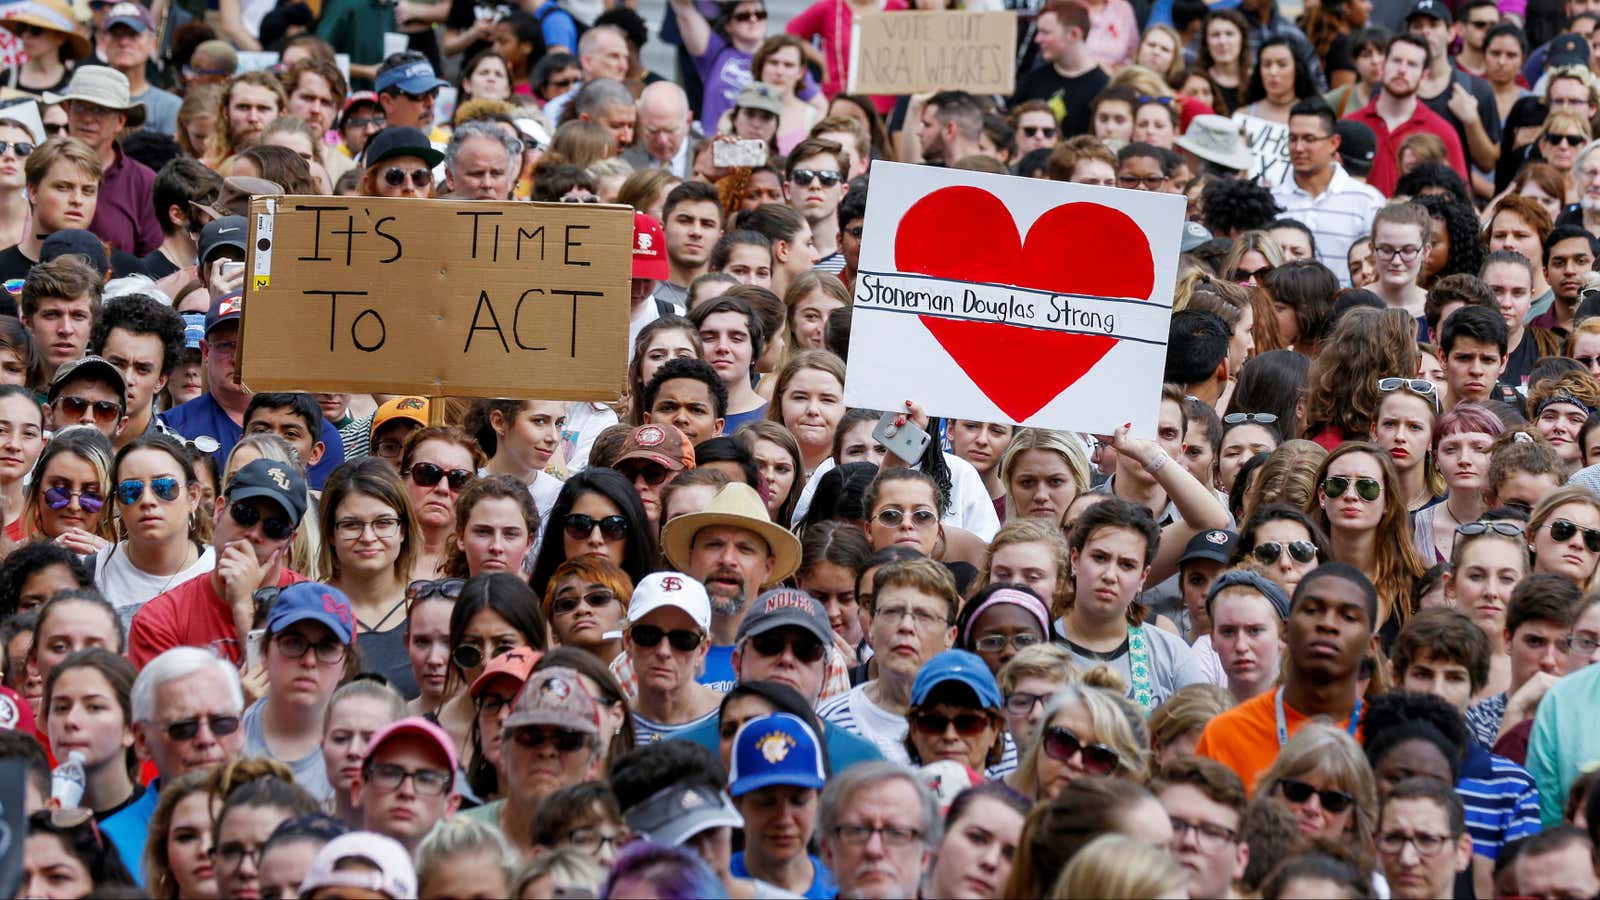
x,y
905,441
739,154
252,649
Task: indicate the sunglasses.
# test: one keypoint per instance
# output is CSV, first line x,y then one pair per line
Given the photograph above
x,y
805,647
1252,418
561,83
579,526
426,474
470,656
564,740
968,724
826,177
568,602
891,518
131,491
36,31
1368,489
54,128
681,640
105,411
652,473
759,15
22,148
429,97
1035,131
395,176
1562,530
1267,552
61,498
274,528
363,121
1509,529
186,729
1419,386
448,588
580,198
1571,140
1299,792
1249,274
1063,744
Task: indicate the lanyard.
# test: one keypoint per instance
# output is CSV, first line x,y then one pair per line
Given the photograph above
x,y
1283,728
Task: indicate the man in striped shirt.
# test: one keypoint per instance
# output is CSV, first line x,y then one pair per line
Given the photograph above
x,y
1337,208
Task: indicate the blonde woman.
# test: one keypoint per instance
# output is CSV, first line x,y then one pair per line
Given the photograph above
x,y
1113,865
1289,476
1032,553
1323,778
1160,51
1043,471
1028,684
1564,535
1086,732
1176,724
1254,254
1564,134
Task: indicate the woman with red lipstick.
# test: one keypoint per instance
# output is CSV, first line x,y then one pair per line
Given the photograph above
x,y
1488,560
67,496
177,863
1407,412
87,697
1360,505
496,523
437,465
1564,535
1461,449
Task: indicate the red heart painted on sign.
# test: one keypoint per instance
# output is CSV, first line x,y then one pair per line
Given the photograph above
x,y
967,234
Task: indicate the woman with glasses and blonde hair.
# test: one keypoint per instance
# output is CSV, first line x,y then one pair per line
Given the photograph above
x,y
66,498
1360,504
1564,534
1563,135
1086,732
1042,472
1322,776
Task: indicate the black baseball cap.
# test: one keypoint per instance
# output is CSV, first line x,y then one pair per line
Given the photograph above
x,y
228,231
401,140
276,481
79,242
1433,9
1215,544
1357,142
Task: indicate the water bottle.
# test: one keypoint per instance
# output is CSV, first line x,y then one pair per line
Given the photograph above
x,y
67,782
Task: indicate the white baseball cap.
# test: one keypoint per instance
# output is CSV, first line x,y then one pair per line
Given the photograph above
x,y
675,589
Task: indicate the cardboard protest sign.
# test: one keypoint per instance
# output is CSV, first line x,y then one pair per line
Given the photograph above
x,y
1269,149
917,52
437,297
1006,299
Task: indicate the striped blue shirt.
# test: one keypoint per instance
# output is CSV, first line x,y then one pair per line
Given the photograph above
x,y
1501,800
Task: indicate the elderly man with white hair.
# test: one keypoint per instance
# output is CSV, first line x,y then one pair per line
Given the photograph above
x,y
663,133
481,162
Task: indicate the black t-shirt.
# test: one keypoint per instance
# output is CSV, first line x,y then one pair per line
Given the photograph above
x,y
13,264
1068,97
1519,362
1488,112
465,12
157,266
1339,57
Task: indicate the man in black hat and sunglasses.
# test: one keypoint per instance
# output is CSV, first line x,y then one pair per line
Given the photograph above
x,y
255,519
400,163
88,391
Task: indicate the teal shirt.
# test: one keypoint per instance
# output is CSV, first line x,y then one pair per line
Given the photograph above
x,y
356,27
1566,738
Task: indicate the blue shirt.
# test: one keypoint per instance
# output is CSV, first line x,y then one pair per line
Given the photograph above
x,y
128,828
719,674
1501,801
203,416
822,885
558,26
844,749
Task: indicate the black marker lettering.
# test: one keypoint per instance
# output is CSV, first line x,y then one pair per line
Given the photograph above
x,y
572,349
537,232
333,307
483,301
516,320
383,331
350,233
569,243
474,215
377,229
316,230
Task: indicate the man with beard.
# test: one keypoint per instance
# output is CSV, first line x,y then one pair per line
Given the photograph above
x,y
951,122
1477,17
1398,112
733,549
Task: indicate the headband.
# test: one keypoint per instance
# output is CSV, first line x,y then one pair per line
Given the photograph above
x,y
1027,601
1562,397
1246,578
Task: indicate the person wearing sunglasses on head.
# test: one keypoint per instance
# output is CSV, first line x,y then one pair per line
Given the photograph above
x,y
407,781
158,506
437,464
399,163
665,639
255,520
1564,535
1360,505
67,495
1408,410
88,391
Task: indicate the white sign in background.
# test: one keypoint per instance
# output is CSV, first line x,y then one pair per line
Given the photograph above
x,y
1002,332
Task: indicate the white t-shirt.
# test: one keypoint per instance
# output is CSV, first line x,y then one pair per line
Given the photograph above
x,y
585,421
128,588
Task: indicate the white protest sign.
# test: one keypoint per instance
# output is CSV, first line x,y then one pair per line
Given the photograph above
x,y
1007,299
1269,149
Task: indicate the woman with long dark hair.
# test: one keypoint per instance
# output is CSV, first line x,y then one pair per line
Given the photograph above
x,y
598,511
1277,82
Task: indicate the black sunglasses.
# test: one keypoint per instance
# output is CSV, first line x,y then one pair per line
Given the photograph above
x,y
579,526
470,656
1267,552
652,473
1367,489
805,647
426,474
395,176
967,724
273,527
825,177
566,741
23,148
186,729
1571,140
1563,530
566,603
1034,131
1063,743
759,15
682,640
1299,792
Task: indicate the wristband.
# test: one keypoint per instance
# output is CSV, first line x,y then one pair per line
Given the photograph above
x,y
1154,465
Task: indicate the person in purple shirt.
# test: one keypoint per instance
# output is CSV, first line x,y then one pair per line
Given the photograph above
x,y
722,50
98,109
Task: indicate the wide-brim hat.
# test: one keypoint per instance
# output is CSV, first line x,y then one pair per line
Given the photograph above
x,y
1216,139
102,86
54,15
739,506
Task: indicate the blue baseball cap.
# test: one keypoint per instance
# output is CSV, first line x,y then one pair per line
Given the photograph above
x,y
777,748
194,330
413,78
315,602
959,666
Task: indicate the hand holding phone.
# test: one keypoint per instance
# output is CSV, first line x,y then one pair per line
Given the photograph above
x,y
906,440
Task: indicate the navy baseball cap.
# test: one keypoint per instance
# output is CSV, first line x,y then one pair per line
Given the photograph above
x,y
79,242
413,78
279,482
789,607
224,309
775,749
1567,50
1357,142
133,15
1215,544
1433,9
959,666
316,602
228,231
401,140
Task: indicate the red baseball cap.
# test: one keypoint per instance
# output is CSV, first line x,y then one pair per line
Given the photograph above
x,y
649,249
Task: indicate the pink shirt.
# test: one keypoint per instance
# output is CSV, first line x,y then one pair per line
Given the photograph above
x,y
1113,34
831,20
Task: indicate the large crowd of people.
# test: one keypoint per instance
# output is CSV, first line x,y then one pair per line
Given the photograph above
x,y
1326,632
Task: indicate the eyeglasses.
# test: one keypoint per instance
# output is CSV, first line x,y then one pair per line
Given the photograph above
x,y
996,643
105,411
1267,552
580,198
1209,836
274,527
1299,792
534,737
579,526
968,724
1295,139
759,15
383,528
426,782
377,122
566,603
493,703
131,491
470,656
590,840
1244,276
1509,529
1368,489
805,647
1035,131
232,854
826,177
891,518
1577,643
1422,387
426,474
187,729
62,497
448,588
1394,843
891,615
1020,703
22,148
1406,254
53,129
293,646
394,176
652,473
1148,182
1571,140
681,640
1063,744
893,836
1563,530
1253,418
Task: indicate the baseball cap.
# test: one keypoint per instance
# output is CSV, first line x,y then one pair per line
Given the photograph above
x,y
279,482
228,231
133,15
413,725
662,444
674,589
194,329
395,876
226,308
316,602
401,140
414,409
514,664
80,242
87,367
416,77
649,248
555,697
786,607
777,748
678,812
1215,544
758,95
15,713
1434,9
1357,142
1567,50
1194,235
233,198
959,666
359,98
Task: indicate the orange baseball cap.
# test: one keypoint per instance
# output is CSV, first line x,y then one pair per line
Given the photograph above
x,y
514,664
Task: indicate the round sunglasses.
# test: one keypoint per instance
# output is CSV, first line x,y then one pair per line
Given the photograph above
x,y
1268,552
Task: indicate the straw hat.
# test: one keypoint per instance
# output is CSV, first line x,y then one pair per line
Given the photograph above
x,y
102,86
740,506
54,15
